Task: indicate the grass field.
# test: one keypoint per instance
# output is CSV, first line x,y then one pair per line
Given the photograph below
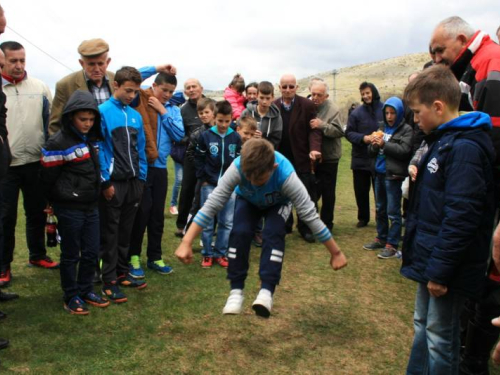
x,y
354,321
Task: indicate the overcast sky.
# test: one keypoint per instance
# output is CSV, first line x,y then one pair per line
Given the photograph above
x,y
213,39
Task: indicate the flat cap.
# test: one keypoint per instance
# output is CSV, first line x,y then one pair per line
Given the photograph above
x,y
93,47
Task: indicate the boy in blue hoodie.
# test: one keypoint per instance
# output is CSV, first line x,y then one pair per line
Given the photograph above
x,y
216,150
123,173
448,230
391,150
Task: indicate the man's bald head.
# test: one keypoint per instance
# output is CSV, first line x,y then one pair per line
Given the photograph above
x,y
3,21
2,61
288,87
193,89
319,92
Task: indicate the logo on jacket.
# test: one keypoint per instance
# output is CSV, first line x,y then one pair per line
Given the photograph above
x,y
79,152
232,150
433,165
214,148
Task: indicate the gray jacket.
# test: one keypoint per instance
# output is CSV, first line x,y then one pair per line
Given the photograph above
x,y
331,148
271,125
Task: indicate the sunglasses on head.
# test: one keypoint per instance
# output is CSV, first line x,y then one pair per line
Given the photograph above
x,y
285,87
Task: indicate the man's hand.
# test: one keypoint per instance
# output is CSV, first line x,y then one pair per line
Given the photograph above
x,y
413,170
166,68
315,123
315,155
338,261
109,193
368,139
156,105
379,141
436,290
495,356
257,134
184,253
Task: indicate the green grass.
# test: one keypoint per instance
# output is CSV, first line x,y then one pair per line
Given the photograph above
x,y
354,321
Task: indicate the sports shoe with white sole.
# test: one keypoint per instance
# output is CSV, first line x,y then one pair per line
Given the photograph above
x,y
234,303
263,303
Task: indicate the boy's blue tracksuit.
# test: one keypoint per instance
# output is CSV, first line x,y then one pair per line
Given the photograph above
x,y
213,156
272,201
123,165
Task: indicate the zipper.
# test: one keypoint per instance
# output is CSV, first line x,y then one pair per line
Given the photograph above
x,y
222,165
128,139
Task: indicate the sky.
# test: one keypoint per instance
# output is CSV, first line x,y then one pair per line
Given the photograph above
x,y
213,40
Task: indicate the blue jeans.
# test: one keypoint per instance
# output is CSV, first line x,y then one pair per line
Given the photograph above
x,y
388,196
224,226
436,345
177,183
79,232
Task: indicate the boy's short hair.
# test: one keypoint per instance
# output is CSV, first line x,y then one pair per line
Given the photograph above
x,y
255,85
223,107
248,122
203,103
257,157
163,78
127,73
238,83
11,46
266,88
434,83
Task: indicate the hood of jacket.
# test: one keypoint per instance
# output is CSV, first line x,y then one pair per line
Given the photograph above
x,y
398,106
272,113
79,101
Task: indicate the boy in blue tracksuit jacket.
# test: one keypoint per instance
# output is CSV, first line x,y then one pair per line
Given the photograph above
x,y
217,149
448,230
123,163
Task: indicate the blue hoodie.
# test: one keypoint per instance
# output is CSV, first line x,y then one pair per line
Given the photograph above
x,y
450,218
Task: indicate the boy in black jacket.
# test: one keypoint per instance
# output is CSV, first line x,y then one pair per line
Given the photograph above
x,y
71,182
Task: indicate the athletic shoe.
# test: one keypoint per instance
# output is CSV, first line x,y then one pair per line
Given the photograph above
x,y
234,303
207,262
173,211
5,278
135,269
76,306
388,252
113,292
179,233
129,282
257,239
96,300
160,267
44,263
375,245
361,224
222,261
263,303
399,254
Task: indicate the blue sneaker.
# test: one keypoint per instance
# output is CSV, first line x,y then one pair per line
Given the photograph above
x,y
160,267
135,269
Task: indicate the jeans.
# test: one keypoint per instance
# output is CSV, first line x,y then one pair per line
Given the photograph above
x,y
388,202
224,226
436,345
177,184
79,232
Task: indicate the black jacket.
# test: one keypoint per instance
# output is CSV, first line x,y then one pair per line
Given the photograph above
x,y
70,172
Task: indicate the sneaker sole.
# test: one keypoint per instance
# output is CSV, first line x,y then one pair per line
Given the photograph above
x,y
376,249
46,268
134,287
101,305
159,271
136,277
384,257
117,300
261,310
75,312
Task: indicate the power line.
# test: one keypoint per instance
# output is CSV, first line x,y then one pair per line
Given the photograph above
x,y
41,50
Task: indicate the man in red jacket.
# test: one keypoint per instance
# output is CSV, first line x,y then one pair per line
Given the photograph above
x,y
299,143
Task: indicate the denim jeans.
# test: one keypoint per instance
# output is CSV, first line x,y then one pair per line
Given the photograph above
x,y
79,232
436,345
388,202
224,226
177,184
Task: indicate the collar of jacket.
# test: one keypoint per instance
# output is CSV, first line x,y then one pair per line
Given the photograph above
x,y
8,79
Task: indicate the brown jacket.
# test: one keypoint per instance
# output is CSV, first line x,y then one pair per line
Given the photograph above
x,y
64,89
150,120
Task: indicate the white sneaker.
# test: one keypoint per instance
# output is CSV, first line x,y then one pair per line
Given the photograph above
x,y
173,210
234,303
263,303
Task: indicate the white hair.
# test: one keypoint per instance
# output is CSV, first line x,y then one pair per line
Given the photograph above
x,y
319,81
454,26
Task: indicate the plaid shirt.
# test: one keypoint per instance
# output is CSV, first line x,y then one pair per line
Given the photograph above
x,y
101,94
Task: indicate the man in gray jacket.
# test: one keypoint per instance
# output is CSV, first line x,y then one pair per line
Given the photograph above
x,y
328,121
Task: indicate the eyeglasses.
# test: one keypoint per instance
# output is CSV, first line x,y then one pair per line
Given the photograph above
x,y
285,87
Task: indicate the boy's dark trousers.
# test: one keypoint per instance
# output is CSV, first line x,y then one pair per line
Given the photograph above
x,y
326,175
151,215
24,178
362,181
186,195
79,231
117,218
273,243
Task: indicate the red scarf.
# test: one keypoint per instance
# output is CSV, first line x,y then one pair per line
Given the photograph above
x,y
12,79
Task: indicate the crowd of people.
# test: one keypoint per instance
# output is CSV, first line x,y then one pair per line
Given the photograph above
x,y
95,156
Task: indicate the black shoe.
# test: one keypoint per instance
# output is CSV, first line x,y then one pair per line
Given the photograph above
x,y
361,224
4,343
4,296
179,233
2,315
308,237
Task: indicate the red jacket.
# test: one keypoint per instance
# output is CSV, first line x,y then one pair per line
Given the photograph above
x,y
236,100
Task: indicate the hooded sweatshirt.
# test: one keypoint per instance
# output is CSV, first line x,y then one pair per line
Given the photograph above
x,y
393,158
271,125
236,100
70,174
